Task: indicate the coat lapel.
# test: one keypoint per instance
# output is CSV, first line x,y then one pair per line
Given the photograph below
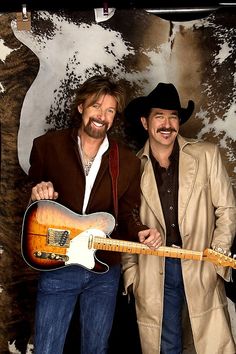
x,y
148,186
188,166
103,168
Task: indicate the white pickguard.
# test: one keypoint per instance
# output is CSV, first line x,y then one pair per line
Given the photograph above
x,y
79,253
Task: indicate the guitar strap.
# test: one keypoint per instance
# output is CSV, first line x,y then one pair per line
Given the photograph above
x,y
114,172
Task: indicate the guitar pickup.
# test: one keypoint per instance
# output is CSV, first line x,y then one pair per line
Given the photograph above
x,y
51,256
58,237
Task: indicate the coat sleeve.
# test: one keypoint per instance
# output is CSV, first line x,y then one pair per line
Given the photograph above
x,y
129,203
129,219
225,209
36,171
129,268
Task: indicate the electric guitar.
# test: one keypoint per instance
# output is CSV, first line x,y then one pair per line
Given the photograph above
x,y
53,236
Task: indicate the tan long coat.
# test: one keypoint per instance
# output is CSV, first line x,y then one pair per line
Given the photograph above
x,y
207,218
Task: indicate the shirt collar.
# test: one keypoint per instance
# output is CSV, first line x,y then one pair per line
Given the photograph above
x,y
174,156
103,147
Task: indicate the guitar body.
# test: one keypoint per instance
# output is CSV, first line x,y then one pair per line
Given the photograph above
x,y
54,237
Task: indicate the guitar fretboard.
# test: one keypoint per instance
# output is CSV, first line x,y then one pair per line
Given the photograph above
x,y
107,244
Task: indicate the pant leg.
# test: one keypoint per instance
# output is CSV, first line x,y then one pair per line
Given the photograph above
x,y
56,298
97,307
171,339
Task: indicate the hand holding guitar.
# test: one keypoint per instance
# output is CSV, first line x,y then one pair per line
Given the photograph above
x,y
43,190
150,238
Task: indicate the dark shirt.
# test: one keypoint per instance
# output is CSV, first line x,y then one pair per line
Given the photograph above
x,y
168,185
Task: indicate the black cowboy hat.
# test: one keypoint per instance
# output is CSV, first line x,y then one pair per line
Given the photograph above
x,y
164,96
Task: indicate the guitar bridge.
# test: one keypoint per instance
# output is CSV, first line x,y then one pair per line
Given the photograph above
x,y
58,237
51,256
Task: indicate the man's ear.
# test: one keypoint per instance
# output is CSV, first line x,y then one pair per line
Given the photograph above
x,y
80,108
144,122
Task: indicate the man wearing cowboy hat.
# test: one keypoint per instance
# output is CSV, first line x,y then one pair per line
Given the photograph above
x,y
187,195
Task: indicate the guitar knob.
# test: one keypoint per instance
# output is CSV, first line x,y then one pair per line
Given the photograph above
x,y
38,253
52,256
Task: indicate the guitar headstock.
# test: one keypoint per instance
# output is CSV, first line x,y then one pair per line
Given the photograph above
x,y
219,258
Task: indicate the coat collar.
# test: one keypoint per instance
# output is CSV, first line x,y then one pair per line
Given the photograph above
x,y
183,142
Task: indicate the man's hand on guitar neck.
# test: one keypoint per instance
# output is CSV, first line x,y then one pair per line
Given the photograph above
x,y
150,237
43,190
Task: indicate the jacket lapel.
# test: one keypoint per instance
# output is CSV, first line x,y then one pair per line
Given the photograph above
x,y
148,186
188,167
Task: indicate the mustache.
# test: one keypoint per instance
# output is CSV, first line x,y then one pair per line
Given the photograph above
x,y
169,130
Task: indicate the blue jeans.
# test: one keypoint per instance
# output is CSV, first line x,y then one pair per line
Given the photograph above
x,y
174,297
58,292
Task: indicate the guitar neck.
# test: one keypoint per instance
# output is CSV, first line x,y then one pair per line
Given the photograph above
x,y
107,244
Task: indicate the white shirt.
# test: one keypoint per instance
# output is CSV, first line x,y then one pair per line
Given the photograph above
x,y
90,178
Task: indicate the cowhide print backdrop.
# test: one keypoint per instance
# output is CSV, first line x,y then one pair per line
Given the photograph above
x,y
39,72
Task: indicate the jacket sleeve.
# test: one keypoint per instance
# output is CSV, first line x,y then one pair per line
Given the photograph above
x,y
129,223
129,268
225,209
36,171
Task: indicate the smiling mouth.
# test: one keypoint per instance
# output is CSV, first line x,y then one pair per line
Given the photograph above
x,y
166,131
97,123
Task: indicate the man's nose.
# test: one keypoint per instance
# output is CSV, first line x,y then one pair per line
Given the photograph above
x,y
101,113
166,122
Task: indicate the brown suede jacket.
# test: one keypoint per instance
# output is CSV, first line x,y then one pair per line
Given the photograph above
x,y
55,157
